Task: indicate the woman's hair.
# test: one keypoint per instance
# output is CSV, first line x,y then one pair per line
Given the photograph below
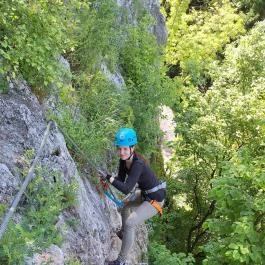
x,y
142,157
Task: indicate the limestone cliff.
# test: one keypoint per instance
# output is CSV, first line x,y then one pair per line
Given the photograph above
x,y
22,127
22,124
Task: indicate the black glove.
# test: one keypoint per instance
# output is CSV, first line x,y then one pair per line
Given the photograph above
x,y
104,174
108,176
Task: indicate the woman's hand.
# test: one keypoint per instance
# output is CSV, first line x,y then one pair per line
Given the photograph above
x,y
103,174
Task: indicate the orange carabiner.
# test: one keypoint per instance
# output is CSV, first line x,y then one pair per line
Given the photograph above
x,y
156,205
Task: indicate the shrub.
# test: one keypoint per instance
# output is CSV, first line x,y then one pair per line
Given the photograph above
x,y
39,208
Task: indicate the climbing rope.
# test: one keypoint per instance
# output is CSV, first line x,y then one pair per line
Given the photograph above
x,y
27,180
111,197
107,190
109,194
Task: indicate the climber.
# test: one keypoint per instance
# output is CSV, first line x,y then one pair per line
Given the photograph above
x,y
133,171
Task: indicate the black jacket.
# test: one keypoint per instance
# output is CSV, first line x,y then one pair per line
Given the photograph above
x,y
139,173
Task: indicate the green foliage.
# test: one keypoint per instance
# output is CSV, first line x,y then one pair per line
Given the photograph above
x,y
238,228
147,85
200,34
3,81
244,62
3,85
159,254
103,108
73,222
93,120
41,205
98,108
197,38
2,208
255,7
73,262
219,162
157,163
98,37
210,131
33,35
237,231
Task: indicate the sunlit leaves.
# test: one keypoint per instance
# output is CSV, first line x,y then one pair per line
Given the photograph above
x,y
197,36
220,153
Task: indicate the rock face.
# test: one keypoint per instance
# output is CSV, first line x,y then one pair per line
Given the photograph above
x,y
152,7
159,29
22,124
115,78
167,126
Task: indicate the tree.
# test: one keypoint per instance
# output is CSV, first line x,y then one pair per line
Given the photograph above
x,y
219,156
197,36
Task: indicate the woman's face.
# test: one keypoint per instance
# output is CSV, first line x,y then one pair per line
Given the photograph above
x,y
125,152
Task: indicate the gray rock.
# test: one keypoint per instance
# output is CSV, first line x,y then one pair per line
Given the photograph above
x,y
52,255
22,127
51,102
21,124
8,186
115,78
159,29
153,7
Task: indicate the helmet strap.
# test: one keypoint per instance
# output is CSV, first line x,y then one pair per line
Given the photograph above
x,y
131,153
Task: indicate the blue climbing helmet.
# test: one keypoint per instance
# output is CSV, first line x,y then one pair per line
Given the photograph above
x,y
126,137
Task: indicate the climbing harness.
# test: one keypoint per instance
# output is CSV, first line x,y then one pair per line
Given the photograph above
x,y
132,195
162,185
156,205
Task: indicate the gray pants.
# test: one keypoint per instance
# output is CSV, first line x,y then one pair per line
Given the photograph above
x,y
133,214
